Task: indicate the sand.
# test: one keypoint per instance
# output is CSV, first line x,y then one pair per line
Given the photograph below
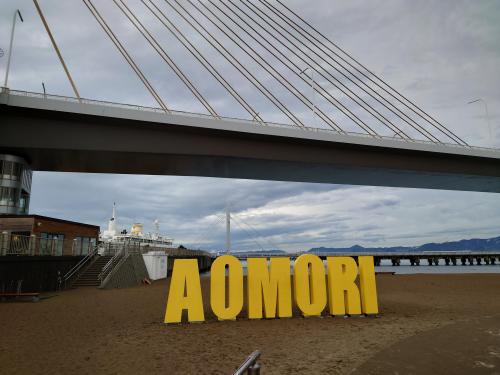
x,y
441,324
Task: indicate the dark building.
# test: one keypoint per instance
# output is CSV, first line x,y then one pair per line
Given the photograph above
x,y
41,235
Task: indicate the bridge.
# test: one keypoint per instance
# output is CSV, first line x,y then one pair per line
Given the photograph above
x,y
365,132
70,135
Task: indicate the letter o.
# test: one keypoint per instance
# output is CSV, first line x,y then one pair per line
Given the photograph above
x,y
309,284
229,310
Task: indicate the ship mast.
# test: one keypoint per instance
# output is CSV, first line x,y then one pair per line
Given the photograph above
x,y
228,230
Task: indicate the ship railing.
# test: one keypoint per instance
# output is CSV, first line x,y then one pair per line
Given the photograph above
x,y
112,248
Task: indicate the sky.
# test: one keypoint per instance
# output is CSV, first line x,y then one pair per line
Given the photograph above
x,y
440,53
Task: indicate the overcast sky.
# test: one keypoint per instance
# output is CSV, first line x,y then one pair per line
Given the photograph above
x,y
440,53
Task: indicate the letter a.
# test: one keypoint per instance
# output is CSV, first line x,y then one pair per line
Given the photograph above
x,y
185,292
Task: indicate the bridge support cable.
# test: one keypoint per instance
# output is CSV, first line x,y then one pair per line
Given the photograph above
x,y
325,74
56,48
252,238
163,54
359,101
291,65
153,8
100,20
255,56
361,69
223,51
257,233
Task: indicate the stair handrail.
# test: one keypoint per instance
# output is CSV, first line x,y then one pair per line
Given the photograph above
x,y
79,265
117,266
250,366
108,267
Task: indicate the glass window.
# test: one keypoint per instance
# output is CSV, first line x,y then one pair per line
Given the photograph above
x,y
3,196
7,169
9,196
77,246
16,171
51,244
85,245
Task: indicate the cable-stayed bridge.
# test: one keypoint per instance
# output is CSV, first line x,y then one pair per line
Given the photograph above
x,y
365,132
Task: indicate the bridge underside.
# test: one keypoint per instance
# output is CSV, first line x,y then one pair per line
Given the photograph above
x,y
81,142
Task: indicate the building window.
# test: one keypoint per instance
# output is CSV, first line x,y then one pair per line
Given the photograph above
x,y
10,170
51,244
9,196
83,245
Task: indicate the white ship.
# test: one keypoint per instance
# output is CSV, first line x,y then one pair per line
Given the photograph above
x,y
154,241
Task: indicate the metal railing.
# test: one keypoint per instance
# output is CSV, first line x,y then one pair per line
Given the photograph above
x,y
15,244
250,366
81,249
222,118
119,254
72,272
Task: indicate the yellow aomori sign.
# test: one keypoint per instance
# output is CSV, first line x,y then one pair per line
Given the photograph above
x,y
346,288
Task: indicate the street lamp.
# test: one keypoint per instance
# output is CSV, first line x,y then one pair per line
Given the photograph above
x,y
487,115
311,78
16,13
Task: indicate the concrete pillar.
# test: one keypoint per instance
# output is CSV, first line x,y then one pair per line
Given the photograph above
x,y
447,261
454,261
436,261
4,243
478,260
32,245
429,260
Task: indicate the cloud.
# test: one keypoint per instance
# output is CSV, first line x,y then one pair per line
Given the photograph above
x,y
440,54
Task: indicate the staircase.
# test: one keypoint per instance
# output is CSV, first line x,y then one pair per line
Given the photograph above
x,y
89,277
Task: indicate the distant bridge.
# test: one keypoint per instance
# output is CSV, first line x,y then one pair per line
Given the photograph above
x,y
414,257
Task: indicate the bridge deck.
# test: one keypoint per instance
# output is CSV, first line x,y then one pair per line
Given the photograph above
x,y
61,134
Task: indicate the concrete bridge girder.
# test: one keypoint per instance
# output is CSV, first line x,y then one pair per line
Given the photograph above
x,y
77,137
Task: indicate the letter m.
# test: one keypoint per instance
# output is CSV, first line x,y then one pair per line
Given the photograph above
x,y
269,289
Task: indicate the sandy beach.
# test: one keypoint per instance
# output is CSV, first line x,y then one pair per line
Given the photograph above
x,y
428,324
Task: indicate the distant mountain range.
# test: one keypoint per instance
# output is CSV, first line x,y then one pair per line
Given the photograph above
x,y
475,244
